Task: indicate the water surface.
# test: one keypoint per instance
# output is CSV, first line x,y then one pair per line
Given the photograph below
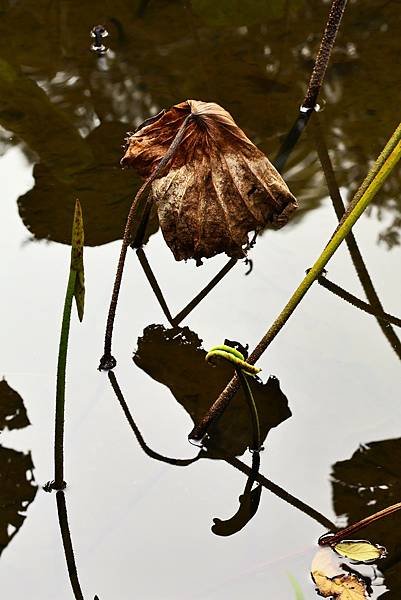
x,y
141,527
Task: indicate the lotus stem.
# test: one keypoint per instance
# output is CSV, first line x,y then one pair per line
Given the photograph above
x,y
150,276
329,539
108,361
355,253
315,83
357,302
67,544
376,177
59,482
323,56
256,437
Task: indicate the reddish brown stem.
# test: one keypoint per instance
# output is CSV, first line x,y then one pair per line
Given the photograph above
x,y
323,56
108,361
331,539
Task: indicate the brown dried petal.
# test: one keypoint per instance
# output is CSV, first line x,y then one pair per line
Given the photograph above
x,y
216,187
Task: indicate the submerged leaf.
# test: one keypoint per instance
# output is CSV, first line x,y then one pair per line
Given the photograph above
x,y
360,550
77,259
216,187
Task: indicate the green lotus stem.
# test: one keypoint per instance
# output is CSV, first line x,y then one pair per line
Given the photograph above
x,y
371,185
75,287
60,388
343,230
378,165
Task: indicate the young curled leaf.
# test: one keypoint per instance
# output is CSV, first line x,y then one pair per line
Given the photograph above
x,y
233,356
77,259
215,188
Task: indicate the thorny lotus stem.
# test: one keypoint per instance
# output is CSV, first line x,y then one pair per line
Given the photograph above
x,y
178,462
357,302
108,361
323,56
203,293
315,83
233,461
154,284
59,483
329,539
67,544
379,163
281,493
381,172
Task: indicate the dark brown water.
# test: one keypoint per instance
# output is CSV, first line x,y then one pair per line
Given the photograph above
x,y
141,527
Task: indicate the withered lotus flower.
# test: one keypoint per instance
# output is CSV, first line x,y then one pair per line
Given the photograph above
x,y
215,187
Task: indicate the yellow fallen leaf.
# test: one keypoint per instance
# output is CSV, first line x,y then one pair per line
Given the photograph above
x,y
359,550
341,587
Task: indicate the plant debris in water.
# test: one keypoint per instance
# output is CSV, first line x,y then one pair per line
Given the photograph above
x,y
335,576
216,187
360,551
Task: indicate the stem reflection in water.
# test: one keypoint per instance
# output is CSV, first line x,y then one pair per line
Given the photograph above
x,y
376,307
67,544
251,472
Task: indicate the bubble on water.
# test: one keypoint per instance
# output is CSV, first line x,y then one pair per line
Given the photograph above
x,y
99,33
199,443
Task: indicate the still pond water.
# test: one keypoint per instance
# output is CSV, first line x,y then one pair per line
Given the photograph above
x,y
142,528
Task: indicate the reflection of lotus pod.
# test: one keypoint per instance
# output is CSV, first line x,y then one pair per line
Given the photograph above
x,y
217,186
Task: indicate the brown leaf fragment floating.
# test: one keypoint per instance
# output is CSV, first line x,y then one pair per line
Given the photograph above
x,y
216,187
334,581
342,587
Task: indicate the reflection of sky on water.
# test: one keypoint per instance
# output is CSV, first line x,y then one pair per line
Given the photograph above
x,y
252,60
132,517
141,527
